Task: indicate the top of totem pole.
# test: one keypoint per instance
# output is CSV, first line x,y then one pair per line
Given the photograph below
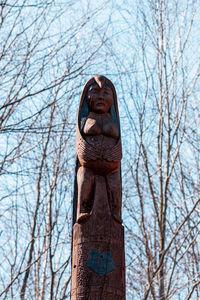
x,y
84,109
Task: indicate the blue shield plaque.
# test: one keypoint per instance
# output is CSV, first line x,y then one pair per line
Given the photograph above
x,y
101,263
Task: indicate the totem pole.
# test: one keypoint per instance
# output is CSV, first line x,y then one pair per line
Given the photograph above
x,y
98,263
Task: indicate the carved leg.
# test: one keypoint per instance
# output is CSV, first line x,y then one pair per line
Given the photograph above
x,y
85,180
114,194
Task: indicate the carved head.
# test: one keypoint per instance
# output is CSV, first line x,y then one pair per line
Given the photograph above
x,y
99,96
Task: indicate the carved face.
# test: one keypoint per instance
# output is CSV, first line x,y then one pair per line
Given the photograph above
x,y
99,99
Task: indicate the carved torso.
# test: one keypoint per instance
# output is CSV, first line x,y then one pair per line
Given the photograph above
x,y
100,146
100,131
101,124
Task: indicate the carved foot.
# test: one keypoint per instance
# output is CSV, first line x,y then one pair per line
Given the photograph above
x,y
117,218
82,217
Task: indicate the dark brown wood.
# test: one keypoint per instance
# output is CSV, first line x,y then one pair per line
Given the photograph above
x,y
98,264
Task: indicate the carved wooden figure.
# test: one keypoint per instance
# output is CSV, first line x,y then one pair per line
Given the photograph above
x,y
97,262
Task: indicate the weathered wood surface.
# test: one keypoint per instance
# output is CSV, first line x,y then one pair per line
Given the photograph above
x,y
98,264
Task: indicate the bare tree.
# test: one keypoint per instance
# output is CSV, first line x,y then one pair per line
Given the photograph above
x,y
160,84
150,50
47,50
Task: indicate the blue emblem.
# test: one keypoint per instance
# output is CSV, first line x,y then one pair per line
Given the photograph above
x,y
101,263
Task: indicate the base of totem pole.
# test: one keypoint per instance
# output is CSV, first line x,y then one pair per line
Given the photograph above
x,y
98,262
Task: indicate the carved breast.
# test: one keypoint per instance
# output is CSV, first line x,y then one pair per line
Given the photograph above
x,y
97,124
100,140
